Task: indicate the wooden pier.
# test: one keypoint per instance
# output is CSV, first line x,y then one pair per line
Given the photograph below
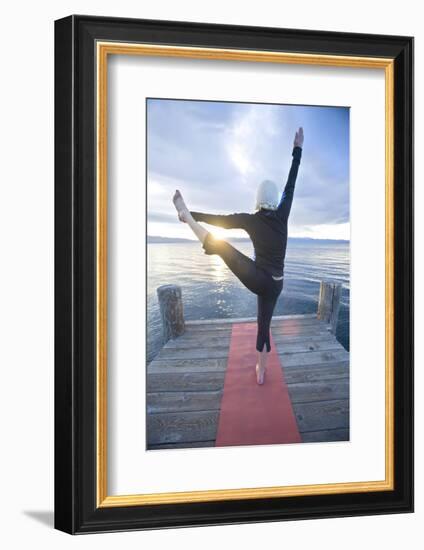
x,y
185,380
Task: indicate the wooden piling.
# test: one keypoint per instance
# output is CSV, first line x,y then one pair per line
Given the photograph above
x,y
171,310
329,303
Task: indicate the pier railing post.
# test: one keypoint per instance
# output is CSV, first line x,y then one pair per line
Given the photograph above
x,y
329,303
171,310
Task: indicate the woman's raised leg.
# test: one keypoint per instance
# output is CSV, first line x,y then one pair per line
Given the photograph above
x,y
185,216
244,268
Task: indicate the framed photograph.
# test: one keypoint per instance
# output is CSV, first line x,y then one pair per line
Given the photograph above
x,y
233,274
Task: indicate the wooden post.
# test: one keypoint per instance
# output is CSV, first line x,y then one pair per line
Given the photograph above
x,y
329,303
171,310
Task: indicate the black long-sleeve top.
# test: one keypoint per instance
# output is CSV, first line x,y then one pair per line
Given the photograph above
x,y
266,228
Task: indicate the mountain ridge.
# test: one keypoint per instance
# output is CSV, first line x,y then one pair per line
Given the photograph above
x,y
156,239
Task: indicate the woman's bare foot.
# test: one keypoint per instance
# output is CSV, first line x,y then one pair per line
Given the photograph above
x,y
260,375
180,206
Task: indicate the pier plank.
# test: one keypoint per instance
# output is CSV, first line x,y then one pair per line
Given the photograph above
x,y
183,401
319,391
213,337
226,324
290,343
185,381
194,352
312,357
316,336
180,427
338,434
232,320
198,351
188,365
320,372
183,445
322,415
276,330
205,340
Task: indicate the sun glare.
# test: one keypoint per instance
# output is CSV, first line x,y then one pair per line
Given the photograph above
x,y
218,233
239,158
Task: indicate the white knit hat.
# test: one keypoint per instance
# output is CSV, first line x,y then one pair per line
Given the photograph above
x,y
267,195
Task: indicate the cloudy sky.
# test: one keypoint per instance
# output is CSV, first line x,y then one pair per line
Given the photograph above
x,y
217,153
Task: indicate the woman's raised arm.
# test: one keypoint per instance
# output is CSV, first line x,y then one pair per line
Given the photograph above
x,y
227,221
287,198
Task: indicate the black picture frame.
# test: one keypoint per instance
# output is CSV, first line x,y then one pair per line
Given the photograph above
x,y
76,509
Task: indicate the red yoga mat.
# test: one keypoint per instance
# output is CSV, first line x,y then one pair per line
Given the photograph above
x,y
253,414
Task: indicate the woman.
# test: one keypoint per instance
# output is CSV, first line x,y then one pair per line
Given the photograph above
x,y
267,228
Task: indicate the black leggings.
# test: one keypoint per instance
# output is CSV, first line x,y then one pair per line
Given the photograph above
x,y
256,279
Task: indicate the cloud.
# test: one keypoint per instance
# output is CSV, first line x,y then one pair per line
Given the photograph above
x,y
217,153
162,217
250,135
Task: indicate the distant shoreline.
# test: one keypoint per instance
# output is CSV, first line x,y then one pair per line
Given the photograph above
x,y
153,239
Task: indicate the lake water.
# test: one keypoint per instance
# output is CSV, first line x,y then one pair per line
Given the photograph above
x,y
211,291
